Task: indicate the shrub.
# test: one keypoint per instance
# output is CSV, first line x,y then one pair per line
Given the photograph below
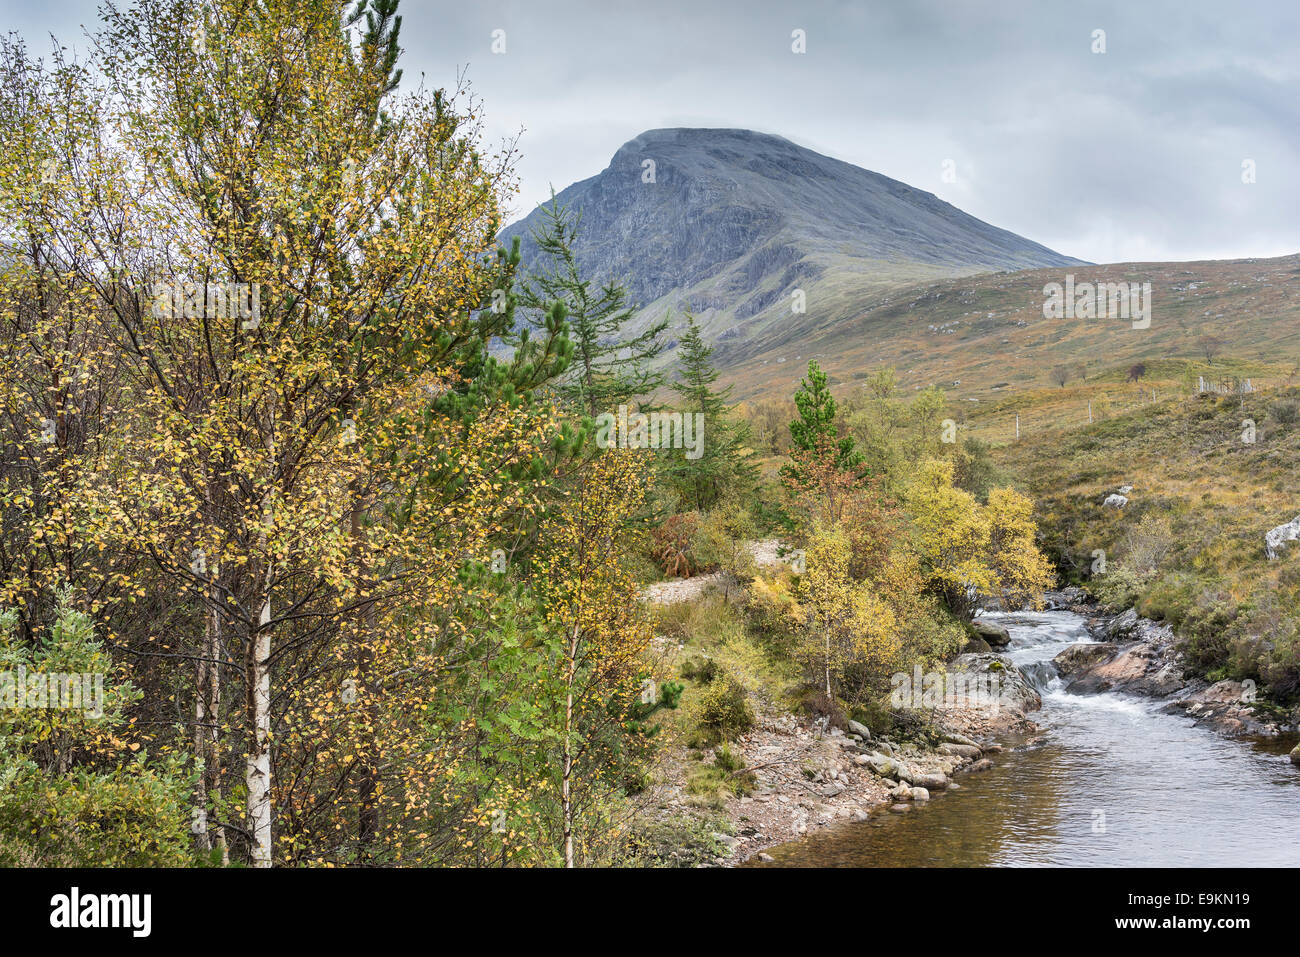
x,y
1120,587
73,793
1285,411
724,708
672,544
702,669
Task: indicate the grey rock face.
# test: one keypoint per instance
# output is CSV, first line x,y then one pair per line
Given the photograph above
x,y
1275,539
735,220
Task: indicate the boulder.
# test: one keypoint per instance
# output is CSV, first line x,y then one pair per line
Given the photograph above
x,y
936,782
861,730
976,646
956,737
1081,657
888,767
995,635
1275,539
983,764
1295,755
1147,663
999,683
1115,501
960,750
1123,627
1226,707
920,794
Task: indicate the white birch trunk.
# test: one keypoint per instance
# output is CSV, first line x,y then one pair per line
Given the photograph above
x,y
258,773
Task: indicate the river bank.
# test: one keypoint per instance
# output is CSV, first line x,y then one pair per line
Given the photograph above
x,y
1113,780
1141,657
804,775
817,785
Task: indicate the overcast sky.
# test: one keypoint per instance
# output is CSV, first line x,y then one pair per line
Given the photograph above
x,y
1132,154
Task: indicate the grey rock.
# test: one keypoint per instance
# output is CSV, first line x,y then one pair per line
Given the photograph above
x,y
1275,539
956,737
861,730
1123,626
934,782
995,635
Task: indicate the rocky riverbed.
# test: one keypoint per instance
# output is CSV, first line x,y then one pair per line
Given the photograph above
x,y
1139,656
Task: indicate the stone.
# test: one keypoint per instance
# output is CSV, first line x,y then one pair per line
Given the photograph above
x,y
995,635
956,737
935,782
1081,657
888,767
901,808
1275,539
1295,755
920,794
960,750
1115,501
861,730
1124,626
766,858
983,764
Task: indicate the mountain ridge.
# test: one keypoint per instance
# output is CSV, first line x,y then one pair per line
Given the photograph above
x,y
729,223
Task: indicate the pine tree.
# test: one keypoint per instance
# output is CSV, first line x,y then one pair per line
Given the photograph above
x,y
815,428
608,369
724,462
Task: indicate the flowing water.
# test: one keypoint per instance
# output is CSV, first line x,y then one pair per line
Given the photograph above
x,y
1114,781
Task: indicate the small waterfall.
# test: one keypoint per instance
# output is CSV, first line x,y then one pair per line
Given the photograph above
x,y
1042,675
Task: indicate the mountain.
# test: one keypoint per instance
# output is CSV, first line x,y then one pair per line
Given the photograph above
x,y
734,222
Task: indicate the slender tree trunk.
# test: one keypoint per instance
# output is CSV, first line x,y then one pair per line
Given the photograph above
x,y
215,652
566,797
207,709
258,772
828,667
202,839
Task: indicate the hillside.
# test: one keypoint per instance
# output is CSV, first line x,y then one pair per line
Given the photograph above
x,y
985,341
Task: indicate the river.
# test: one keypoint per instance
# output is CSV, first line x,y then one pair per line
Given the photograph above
x,y
1113,782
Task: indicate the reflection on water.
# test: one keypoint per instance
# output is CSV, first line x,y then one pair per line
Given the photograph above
x,y
1114,782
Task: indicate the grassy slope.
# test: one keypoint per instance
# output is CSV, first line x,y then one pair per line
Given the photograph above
x,y
1186,460
988,332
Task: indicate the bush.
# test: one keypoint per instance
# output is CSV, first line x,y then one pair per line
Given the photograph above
x,y
672,545
724,708
702,669
1285,411
1120,587
1205,633
73,793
